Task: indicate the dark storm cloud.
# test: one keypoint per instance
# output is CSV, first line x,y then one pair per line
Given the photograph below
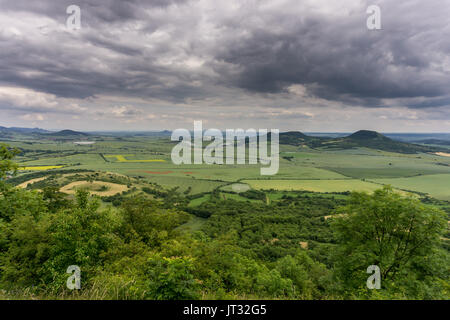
x,y
95,10
144,49
341,60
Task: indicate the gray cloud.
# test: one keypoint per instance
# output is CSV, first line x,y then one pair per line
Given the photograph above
x,y
228,53
341,60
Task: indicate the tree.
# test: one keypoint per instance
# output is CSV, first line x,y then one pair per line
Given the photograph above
x,y
79,235
151,223
172,279
6,163
55,199
398,234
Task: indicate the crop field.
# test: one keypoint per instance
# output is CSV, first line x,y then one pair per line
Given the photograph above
x,y
314,185
437,186
183,184
300,168
124,158
38,168
279,194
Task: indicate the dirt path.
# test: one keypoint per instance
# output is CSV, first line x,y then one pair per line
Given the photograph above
x,y
113,188
26,183
443,154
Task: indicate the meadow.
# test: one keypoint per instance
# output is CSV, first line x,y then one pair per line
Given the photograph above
x,y
437,185
314,185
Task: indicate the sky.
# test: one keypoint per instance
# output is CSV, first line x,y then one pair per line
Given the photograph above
x,y
305,65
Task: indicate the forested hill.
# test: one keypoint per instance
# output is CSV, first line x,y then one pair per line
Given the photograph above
x,y
66,133
359,139
14,131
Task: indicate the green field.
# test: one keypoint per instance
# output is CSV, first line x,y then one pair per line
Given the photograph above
x,y
301,168
437,185
314,185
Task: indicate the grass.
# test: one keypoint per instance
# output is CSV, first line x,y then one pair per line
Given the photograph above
x,y
194,224
199,201
26,183
236,197
183,183
273,196
436,185
100,188
314,185
387,172
236,187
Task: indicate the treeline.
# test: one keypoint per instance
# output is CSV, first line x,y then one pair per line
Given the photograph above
x,y
39,174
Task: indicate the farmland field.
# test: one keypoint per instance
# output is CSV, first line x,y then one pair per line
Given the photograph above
x,y
38,168
437,186
301,168
314,185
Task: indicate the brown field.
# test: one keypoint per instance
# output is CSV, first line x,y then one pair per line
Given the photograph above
x,y
113,188
443,154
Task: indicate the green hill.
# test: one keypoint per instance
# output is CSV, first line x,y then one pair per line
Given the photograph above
x,y
67,133
297,138
359,139
13,132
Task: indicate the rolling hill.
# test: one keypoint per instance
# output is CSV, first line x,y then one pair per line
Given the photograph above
x,y
359,139
67,133
14,131
434,141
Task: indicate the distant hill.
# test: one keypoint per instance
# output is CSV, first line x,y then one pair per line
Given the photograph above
x,y
375,140
359,139
367,135
434,141
163,133
22,130
67,133
296,138
14,132
418,137
28,130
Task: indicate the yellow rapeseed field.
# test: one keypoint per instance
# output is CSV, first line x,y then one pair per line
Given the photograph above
x,y
121,158
39,168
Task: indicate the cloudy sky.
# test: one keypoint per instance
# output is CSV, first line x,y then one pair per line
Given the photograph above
x,y
309,65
